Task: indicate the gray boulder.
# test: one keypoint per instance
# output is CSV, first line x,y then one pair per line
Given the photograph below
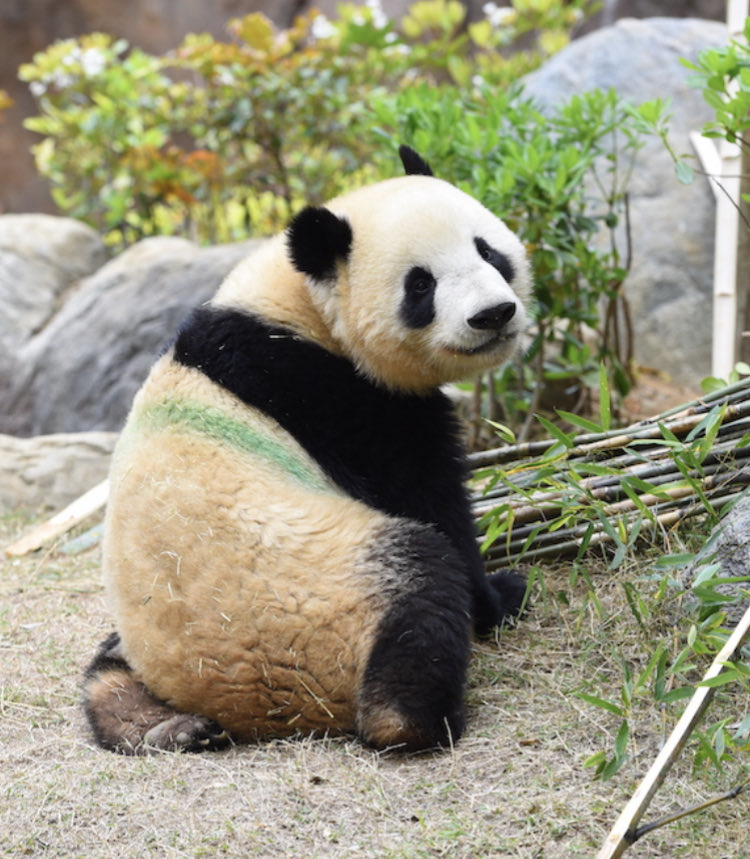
x,y
48,472
729,548
41,256
81,371
670,283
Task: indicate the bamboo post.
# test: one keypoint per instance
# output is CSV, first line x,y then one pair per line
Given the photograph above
x,y
726,333
624,833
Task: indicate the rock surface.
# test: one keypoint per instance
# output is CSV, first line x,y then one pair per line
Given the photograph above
x,y
48,472
41,256
81,371
42,259
729,547
670,283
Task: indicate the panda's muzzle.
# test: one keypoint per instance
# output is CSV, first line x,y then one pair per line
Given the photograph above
x,y
493,318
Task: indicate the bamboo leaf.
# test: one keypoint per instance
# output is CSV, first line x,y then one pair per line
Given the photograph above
x,y
707,572
728,676
578,421
677,695
602,703
556,432
621,741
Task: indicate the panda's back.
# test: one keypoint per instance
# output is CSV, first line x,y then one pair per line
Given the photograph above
x,y
231,560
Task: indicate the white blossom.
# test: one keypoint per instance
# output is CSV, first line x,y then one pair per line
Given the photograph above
x,y
225,77
379,18
93,62
395,50
322,28
498,16
62,81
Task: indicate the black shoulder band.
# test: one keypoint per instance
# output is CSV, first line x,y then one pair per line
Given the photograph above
x,y
399,453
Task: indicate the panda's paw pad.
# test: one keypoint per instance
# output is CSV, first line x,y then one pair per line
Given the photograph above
x,y
185,732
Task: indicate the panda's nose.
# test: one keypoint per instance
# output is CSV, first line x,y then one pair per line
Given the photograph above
x,y
493,318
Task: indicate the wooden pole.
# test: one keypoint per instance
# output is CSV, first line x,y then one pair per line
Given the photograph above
x,y
737,12
730,243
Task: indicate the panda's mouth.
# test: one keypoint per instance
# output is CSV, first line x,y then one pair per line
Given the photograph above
x,y
495,341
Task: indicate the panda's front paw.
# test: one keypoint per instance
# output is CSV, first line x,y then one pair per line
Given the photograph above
x,y
185,732
506,593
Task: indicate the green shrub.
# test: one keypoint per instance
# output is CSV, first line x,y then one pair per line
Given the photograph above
x,y
222,138
724,76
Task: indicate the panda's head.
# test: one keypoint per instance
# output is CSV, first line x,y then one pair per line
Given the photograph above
x,y
417,282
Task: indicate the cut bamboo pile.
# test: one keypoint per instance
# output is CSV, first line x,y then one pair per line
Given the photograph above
x,y
555,500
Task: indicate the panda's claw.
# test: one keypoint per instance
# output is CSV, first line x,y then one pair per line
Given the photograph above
x,y
185,732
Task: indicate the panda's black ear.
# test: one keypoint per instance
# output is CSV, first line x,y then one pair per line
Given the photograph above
x,y
414,164
317,239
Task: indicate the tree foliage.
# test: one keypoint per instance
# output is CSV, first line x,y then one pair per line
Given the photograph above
x,y
222,138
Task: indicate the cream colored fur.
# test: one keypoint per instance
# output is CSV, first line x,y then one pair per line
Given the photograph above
x,y
237,590
241,578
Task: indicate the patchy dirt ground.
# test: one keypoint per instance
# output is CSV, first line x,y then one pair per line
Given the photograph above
x,y
514,786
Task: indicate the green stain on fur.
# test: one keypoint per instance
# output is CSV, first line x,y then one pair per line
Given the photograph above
x,y
214,424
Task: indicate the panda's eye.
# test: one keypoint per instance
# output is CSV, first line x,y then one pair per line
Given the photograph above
x,y
418,303
419,282
497,260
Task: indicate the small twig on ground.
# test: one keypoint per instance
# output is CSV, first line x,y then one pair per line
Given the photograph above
x,y
694,809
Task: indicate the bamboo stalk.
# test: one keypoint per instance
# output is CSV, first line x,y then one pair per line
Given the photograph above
x,y
624,832
656,475
644,477
520,534
528,506
683,420
63,521
662,514
565,542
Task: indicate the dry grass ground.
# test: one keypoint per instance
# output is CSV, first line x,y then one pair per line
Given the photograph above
x,y
514,786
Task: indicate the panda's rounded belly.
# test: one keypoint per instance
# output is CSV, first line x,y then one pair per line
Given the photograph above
x,y
242,589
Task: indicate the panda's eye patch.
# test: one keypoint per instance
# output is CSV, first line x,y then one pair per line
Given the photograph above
x,y
418,305
419,281
497,260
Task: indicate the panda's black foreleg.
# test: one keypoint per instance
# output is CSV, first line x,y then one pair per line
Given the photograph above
x,y
497,598
507,591
126,718
412,694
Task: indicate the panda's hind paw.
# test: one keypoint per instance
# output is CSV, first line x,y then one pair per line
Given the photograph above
x,y
185,732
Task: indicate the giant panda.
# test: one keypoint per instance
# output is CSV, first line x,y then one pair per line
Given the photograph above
x,y
289,546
